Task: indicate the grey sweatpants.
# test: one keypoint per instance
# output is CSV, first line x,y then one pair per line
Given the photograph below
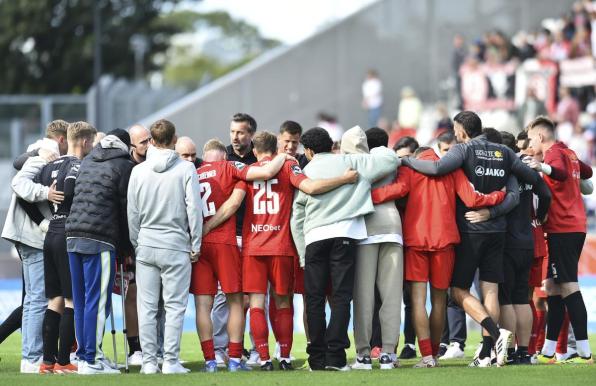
x,y
381,265
219,316
170,269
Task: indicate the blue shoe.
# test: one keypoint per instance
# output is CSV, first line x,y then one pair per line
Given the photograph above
x,y
211,366
234,366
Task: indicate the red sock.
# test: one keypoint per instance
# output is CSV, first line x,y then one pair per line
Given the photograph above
x,y
235,350
208,349
563,336
273,315
425,346
541,329
260,332
435,347
285,324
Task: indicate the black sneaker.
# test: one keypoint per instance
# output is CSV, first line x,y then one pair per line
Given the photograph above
x,y
407,352
362,363
385,362
512,358
285,366
442,350
523,359
268,366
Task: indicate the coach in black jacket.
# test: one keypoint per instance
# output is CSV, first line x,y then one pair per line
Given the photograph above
x,y
97,232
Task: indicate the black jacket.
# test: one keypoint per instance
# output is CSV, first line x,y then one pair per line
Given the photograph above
x,y
98,208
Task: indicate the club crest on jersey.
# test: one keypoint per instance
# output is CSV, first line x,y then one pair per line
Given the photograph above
x,y
482,171
239,165
296,170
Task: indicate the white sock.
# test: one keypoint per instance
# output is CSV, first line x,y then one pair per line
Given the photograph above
x,y
265,362
583,348
549,347
237,360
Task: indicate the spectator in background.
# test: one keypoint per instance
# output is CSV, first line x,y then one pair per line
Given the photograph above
x,y
444,124
531,108
329,123
409,111
568,108
559,48
187,150
372,97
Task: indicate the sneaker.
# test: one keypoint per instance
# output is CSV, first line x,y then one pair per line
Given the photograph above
x,y
386,363
285,365
236,366
426,362
454,351
375,353
45,368
408,352
221,358
305,366
136,359
254,359
277,353
211,366
150,368
478,350
69,368
99,367
523,359
335,368
267,366
109,363
362,363
28,367
481,362
442,349
542,359
580,361
174,368
501,346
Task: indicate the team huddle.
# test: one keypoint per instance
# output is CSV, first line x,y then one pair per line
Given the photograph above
x,y
250,225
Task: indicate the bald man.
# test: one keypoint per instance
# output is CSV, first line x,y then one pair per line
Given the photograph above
x,y
139,141
186,148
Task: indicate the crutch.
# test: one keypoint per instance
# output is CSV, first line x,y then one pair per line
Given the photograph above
x,y
113,334
124,332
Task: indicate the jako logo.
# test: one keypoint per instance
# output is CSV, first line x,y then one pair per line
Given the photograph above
x,y
480,171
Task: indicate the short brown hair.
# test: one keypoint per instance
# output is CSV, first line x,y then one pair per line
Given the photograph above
x,y
163,132
81,130
265,142
57,128
543,122
214,144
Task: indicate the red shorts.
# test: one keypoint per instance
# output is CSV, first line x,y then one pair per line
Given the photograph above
x,y
536,273
298,277
435,267
217,263
259,271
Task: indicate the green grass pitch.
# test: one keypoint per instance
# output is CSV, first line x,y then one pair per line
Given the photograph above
x,y
449,373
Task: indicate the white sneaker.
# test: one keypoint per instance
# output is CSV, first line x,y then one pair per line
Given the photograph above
x,y
221,359
454,351
99,367
277,353
477,352
136,359
478,362
254,360
563,357
28,367
362,363
426,362
501,346
174,368
150,368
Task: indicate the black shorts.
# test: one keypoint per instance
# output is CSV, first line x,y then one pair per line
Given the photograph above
x,y
482,251
56,267
564,250
516,269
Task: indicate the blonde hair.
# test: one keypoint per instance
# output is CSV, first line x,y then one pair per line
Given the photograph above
x,y
57,128
81,130
214,144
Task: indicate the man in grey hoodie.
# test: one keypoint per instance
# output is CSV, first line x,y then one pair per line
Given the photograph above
x,y
165,230
326,229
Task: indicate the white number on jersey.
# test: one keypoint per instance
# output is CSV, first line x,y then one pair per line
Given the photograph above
x,y
271,203
208,207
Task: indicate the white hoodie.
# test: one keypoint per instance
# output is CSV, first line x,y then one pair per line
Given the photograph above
x,y
164,203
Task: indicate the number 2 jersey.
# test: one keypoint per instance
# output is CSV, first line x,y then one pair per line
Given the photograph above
x,y
217,181
266,228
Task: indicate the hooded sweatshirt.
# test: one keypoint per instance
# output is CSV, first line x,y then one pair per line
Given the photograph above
x,y
384,224
164,203
429,222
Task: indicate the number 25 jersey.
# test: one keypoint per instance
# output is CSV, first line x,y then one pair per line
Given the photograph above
x,y
266,228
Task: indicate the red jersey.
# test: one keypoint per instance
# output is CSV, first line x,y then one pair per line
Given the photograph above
x,y
566,213
266,230
217,181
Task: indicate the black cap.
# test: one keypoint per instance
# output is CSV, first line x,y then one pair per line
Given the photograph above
x,y
122,135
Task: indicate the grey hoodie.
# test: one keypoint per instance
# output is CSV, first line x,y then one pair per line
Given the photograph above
x,y
164,203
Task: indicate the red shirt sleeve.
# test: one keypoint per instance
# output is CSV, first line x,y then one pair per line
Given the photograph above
x,y
554,159
397,189
295,172
585,171
471,198
237,170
